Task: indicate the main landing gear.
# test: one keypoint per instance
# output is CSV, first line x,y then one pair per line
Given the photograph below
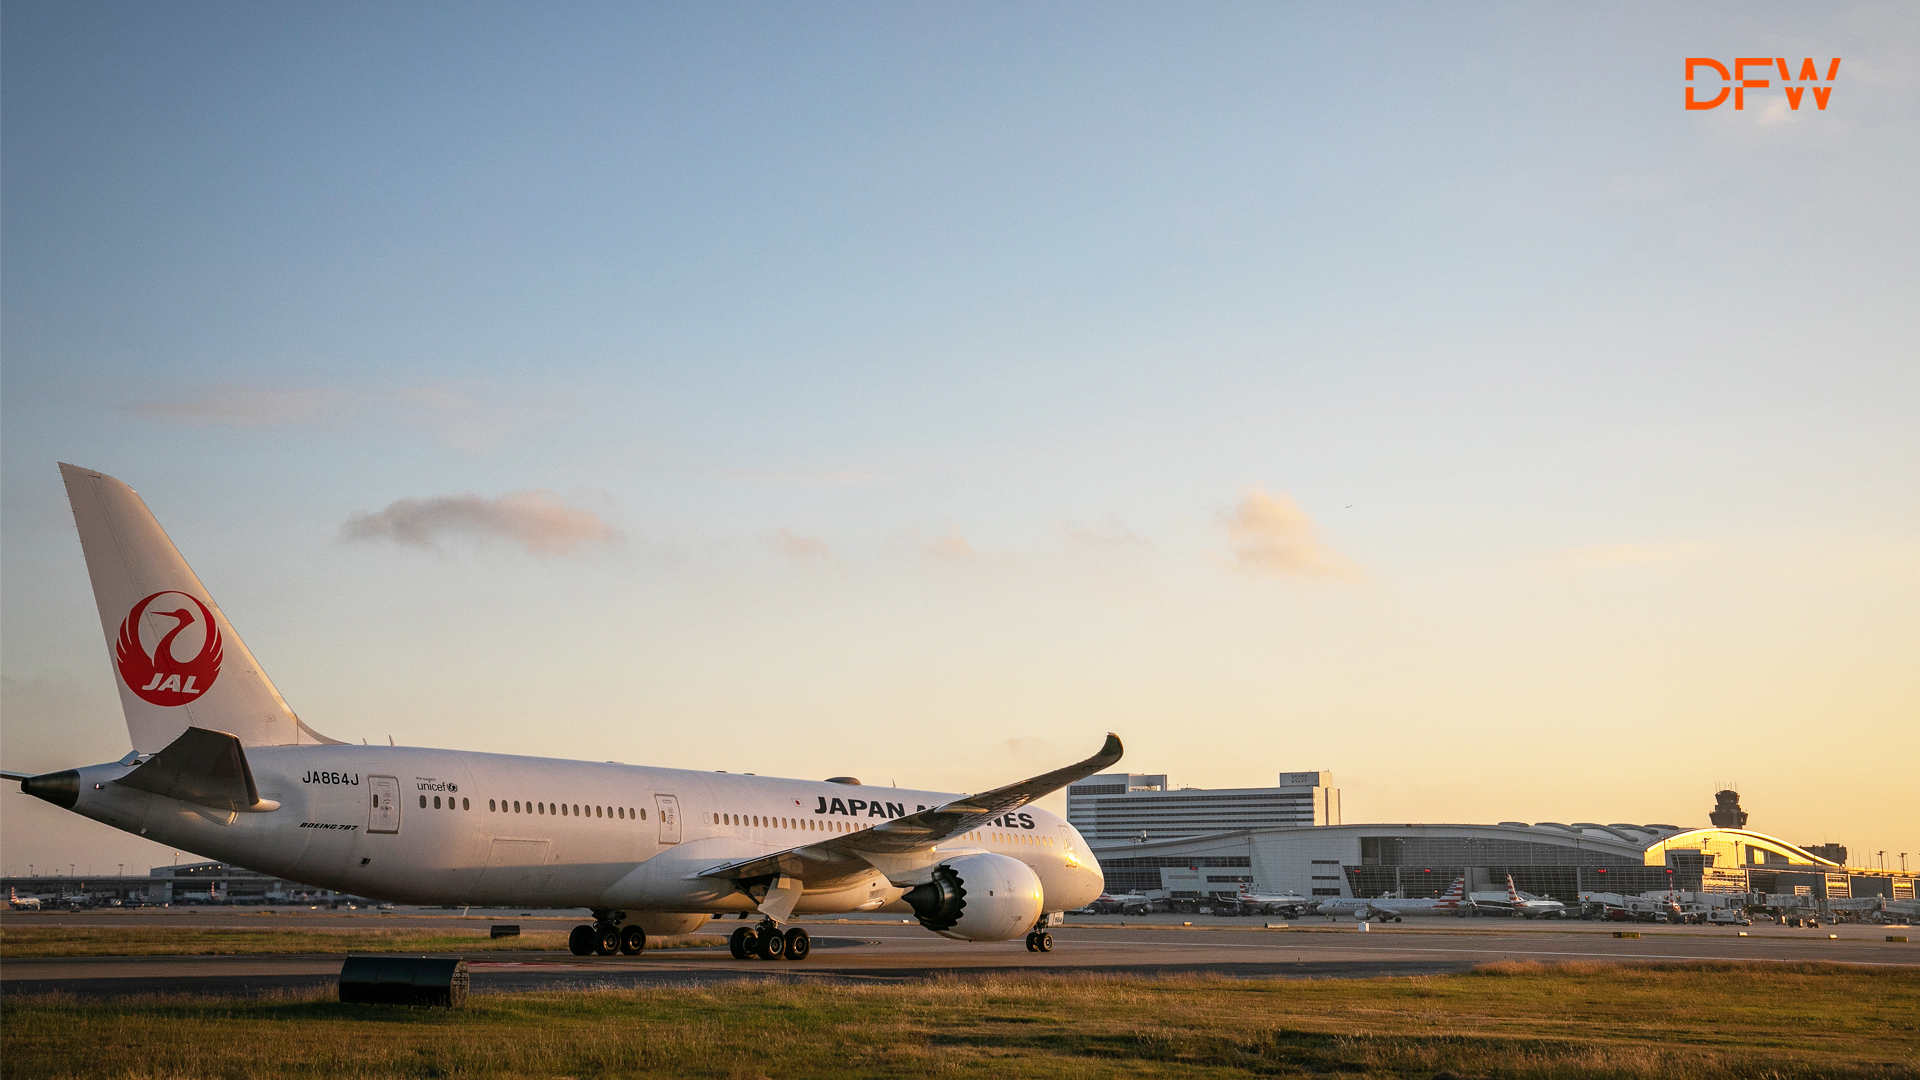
x,y
606,936
767,942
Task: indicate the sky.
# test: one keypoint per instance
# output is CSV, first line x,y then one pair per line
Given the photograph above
x,y
918,392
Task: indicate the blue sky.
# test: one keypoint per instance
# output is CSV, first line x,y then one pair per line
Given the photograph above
x,y
1418,393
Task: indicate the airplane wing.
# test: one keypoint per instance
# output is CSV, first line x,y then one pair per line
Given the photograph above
x,y
844,855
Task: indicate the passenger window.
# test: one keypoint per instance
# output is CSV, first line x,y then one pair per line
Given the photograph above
x,y
423,802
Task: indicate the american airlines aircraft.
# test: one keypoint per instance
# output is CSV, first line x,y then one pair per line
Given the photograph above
x,y
1393,909
222,766
1272,903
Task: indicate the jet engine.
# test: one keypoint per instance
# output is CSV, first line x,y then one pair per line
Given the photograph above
x,y
982,897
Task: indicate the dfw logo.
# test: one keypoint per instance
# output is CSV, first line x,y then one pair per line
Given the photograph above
x,y
160,676
1738,83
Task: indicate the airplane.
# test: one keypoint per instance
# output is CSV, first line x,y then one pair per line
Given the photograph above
x,y
22,903
1393,908
222,766
1271,903
1132,903
1496,901
1532,907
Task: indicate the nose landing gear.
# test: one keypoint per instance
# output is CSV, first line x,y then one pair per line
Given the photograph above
x,y
1039,941
767,942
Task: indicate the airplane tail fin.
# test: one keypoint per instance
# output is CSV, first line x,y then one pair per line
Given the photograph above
x,y
1456,893
1513,894
177,660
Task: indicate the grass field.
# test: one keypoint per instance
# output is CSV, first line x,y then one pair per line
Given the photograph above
x,y
20,943
1505,1020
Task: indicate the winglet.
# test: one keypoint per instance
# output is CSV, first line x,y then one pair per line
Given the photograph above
x,y
968,811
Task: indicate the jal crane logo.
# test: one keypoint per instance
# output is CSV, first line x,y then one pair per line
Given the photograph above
x,y
161,677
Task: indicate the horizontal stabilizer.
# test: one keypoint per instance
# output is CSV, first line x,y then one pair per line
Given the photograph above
x,y
204,767
829,859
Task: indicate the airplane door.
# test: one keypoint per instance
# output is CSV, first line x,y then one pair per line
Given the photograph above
x,y
384,815
669,809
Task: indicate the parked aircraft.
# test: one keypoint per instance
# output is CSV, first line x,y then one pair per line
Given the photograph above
x,y
223,767
1515,902
22,903
1512,901
1132,903
1392,908
1272,903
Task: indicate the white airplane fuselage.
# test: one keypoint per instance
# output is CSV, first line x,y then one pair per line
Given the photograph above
x,y
1384,905
474,828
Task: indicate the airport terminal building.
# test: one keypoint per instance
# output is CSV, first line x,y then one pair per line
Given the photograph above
x,y
1234,840
1115,807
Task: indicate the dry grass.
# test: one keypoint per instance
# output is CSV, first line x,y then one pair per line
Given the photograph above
x,y
1507,1020
20,943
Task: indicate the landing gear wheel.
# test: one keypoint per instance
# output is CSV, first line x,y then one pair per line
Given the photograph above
x,y
1033,942
632,940
580,942
1043,942
743,942
799,944
771,946
606,941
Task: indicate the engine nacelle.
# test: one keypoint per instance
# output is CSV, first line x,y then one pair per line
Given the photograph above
x,y
982,897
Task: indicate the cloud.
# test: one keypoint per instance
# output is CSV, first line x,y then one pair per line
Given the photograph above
x,y
246,406
1601,556
951,546
456,419
1111,533
538,521
801,548
1270,534
802,477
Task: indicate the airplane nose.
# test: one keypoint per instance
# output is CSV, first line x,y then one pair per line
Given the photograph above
x,y
62,789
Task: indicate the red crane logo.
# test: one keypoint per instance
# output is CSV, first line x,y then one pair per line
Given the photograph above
x,y
162,678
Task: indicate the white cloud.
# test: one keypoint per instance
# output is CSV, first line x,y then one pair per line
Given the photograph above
x,y
455,418
246,406
538,521
1272,535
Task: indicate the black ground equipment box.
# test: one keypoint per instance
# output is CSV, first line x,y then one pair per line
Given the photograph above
x,y
403,980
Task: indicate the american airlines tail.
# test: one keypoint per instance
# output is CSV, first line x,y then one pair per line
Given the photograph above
x,y
178,660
